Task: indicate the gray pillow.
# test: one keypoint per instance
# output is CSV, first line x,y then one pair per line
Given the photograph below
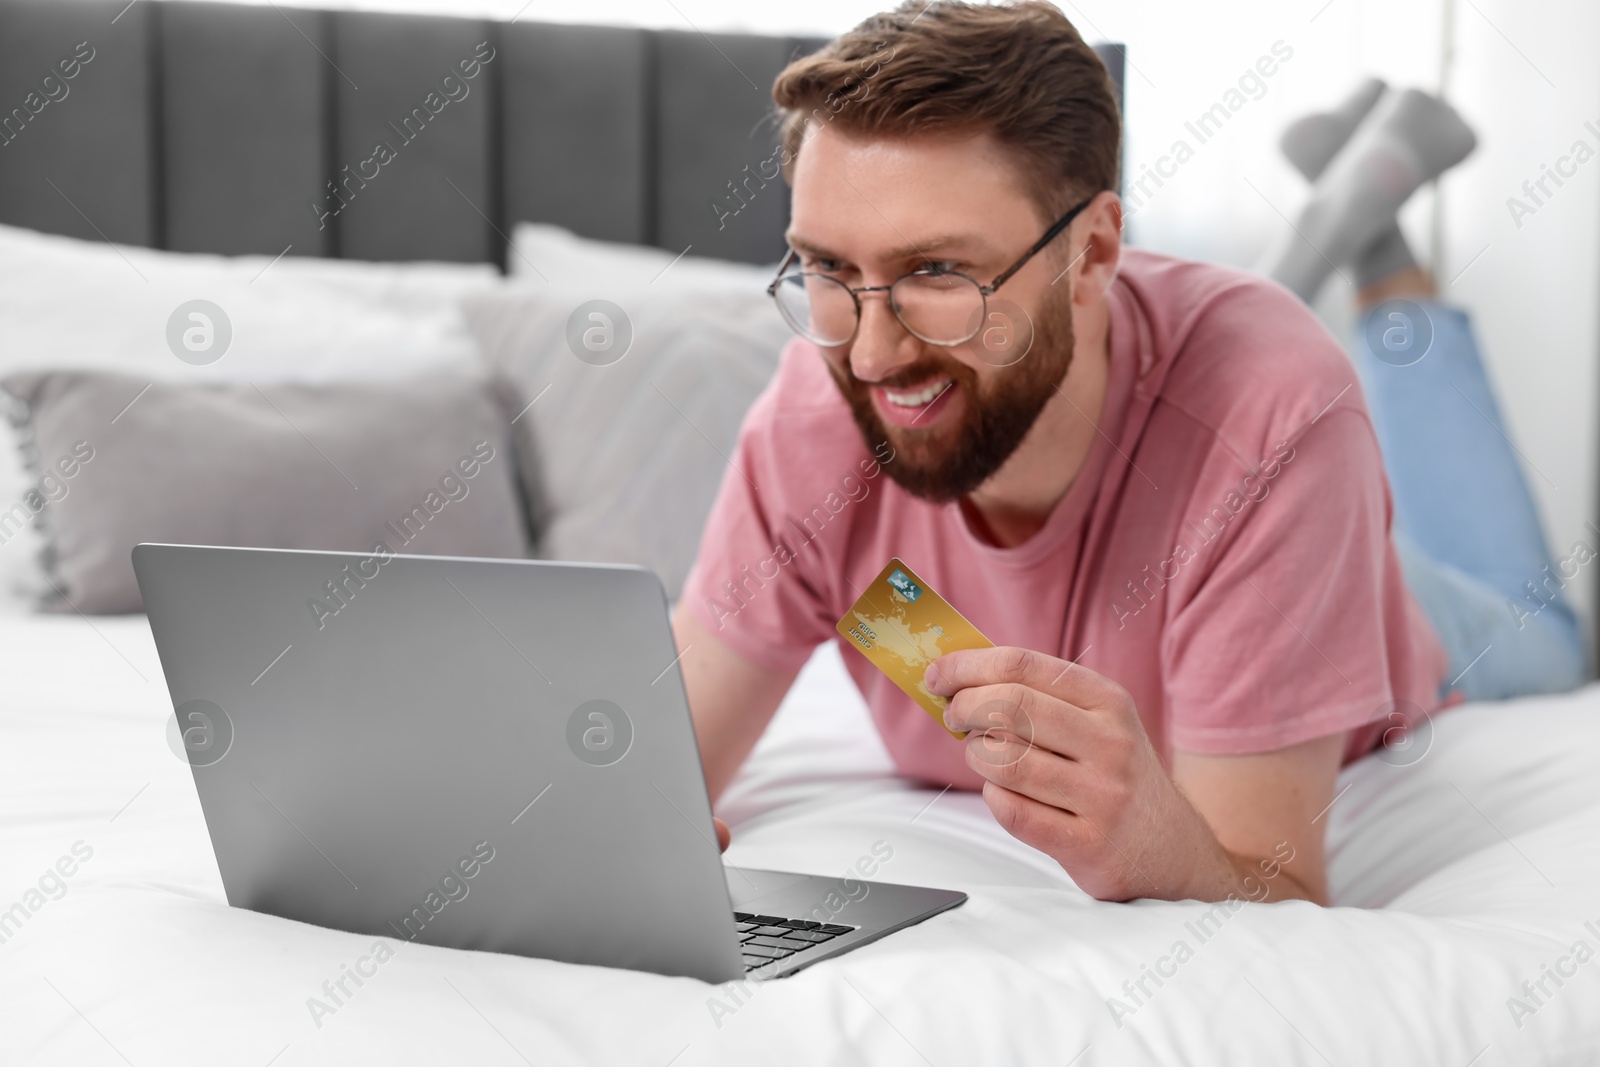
x,y
621,452
422,466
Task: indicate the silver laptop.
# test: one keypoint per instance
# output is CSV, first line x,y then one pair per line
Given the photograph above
x,y
482,754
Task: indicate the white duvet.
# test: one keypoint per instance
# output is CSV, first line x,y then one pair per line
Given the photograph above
x,y
1468,882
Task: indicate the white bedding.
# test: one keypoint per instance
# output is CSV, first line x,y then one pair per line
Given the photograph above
x,y
1459,877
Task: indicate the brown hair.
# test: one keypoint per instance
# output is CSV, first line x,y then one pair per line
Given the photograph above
x,y
1019,71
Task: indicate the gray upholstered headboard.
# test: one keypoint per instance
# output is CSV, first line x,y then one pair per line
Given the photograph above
x,y
213,127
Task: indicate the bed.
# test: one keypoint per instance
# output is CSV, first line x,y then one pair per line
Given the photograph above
x,y
1464,874
1460,871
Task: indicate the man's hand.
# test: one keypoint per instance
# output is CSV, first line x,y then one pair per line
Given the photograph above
x,y
724,835
1070,771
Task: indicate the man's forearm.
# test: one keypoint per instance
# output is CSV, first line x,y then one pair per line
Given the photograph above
x,y
1259,879
1219,874
1071,772
730,699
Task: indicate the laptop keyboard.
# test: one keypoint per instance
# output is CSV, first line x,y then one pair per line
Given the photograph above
x,y
765,938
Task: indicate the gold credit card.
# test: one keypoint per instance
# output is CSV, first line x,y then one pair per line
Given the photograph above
x,y
902,625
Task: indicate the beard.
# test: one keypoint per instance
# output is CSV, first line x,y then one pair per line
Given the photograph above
x,y
948,462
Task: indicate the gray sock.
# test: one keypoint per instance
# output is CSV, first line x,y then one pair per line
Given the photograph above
x,y
1388,254
1311,142
1409,139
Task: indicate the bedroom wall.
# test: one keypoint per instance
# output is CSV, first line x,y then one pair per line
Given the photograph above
x,y
1526,74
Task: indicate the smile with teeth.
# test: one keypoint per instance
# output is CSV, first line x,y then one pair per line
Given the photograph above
x,y
926,395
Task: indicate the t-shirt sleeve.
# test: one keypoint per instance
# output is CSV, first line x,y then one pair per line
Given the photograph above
x,y
1288,634
755,584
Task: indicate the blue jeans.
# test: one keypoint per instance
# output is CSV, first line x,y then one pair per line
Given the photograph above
x,y
1468,534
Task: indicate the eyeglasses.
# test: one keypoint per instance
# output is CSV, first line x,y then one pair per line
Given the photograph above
x,y
938,307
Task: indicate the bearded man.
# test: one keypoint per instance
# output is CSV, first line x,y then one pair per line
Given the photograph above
x,y
1153,483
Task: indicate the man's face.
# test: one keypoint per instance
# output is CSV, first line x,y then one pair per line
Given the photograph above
x,y
866,211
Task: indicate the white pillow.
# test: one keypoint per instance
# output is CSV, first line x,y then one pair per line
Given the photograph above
x,y
541,252
66,303
622,461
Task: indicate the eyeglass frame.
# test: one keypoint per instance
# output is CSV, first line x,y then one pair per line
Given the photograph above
x,y
984,291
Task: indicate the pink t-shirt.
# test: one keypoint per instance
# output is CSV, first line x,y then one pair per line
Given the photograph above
x,y
1224,555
